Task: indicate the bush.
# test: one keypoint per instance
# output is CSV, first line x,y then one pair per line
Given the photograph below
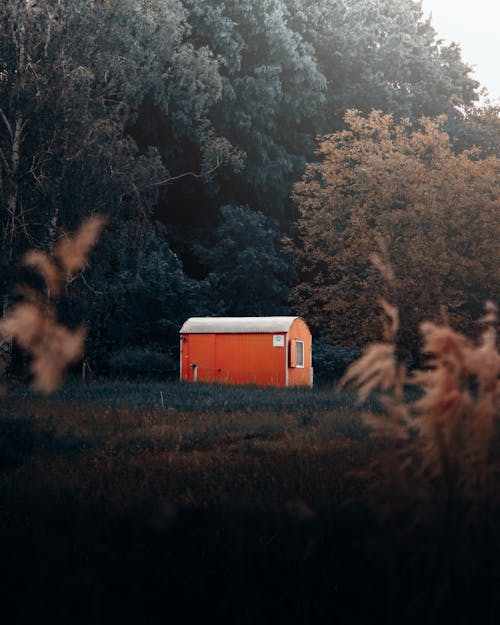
x,y
331,361
133,362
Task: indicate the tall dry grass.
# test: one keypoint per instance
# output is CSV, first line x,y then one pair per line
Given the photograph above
x,y
33,323
439,448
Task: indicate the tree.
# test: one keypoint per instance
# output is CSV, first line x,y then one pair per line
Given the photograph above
x,y
249,273
291,68
74,77
382,54
480,129
140,295
272,95
439,211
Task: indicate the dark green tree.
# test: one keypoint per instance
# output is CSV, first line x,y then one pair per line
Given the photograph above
x,y
74,77
272,94
140,295
249,273
478,130
383,54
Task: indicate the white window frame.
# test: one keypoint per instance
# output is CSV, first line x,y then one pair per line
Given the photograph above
x,y
297,341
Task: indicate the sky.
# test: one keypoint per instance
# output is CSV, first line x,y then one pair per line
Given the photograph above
x,y
475,25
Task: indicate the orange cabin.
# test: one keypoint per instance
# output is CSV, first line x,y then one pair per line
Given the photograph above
x,y
268,351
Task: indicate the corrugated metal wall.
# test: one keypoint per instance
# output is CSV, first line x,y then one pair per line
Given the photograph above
x,y
250,359
234,359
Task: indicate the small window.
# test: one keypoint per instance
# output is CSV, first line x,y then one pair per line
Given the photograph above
x,y
299,354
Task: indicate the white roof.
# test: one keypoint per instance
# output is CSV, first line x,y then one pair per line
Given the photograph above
x,y
236,325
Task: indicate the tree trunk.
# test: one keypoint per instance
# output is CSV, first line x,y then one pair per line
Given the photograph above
x,y
14,218
13,223
5,342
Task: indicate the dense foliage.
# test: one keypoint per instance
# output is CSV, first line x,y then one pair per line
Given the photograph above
x,y
377,181
187,123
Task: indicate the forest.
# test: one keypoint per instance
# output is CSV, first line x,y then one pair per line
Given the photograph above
x,y
248,156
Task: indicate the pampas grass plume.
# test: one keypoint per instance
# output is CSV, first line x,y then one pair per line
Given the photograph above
x,y
33,323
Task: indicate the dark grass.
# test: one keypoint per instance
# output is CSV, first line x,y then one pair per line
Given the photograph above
x,y
190,397
114,509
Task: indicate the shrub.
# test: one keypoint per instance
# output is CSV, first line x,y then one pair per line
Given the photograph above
x,y
331,361
131,362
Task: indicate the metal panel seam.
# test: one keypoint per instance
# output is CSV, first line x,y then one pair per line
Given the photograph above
x,y
286,361
180,362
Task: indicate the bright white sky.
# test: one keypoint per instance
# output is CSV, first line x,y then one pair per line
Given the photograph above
x,y
475,25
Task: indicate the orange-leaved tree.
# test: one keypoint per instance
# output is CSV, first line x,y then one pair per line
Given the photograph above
x,y
439,212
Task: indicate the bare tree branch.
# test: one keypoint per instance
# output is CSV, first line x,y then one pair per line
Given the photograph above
x,y
5,161
81,275
219,162
187,174
7,124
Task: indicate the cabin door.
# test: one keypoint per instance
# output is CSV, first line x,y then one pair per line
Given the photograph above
x,y
186,371
198,355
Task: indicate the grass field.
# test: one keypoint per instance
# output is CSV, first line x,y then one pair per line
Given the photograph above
x,y
150,503
179,442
